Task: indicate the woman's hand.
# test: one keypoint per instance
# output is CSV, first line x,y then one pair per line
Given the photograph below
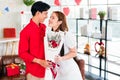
x,y
72,53
58,58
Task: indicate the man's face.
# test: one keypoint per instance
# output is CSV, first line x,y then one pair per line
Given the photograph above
x,y
43,16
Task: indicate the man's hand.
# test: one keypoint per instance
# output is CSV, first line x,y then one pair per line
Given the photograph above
x,y
43,63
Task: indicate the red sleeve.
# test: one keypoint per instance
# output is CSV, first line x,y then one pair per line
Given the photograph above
x,y
24,47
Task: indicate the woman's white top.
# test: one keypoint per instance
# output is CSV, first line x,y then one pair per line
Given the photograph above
x,y
68,69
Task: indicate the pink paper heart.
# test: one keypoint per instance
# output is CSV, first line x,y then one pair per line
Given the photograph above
x,y
77,2
57,2
66,10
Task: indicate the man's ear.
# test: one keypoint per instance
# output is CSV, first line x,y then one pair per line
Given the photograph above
x,y
38,12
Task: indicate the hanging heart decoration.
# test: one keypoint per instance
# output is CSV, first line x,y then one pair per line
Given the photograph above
x,y
66,10
57,2
77,2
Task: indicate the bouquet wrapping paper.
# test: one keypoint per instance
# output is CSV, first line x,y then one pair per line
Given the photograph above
x,y
53,49
53,45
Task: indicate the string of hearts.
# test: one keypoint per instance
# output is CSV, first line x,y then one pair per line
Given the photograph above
x,y
66,10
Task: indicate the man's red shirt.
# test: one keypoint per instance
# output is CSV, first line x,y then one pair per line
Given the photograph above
x,y
31,45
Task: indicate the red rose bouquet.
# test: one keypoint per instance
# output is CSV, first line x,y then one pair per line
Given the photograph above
x,y
54,40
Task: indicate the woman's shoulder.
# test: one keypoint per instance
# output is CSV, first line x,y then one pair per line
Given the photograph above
x,y
69,34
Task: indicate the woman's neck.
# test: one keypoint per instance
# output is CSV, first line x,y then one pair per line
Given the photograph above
x,y
54,29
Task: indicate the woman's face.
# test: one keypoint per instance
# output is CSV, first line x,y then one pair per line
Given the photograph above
x,y
53,21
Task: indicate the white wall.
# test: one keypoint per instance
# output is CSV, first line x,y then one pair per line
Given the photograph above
x,y
10,18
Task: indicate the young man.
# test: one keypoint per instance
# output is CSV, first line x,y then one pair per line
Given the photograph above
x,y
31,44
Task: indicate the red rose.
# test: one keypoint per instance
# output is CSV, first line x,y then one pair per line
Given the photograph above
x,y
54,44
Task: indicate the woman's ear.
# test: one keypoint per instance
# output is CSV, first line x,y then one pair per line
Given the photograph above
x,y
60,22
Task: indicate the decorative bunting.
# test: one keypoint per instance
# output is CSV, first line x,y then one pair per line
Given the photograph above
x,y
0,13
6,9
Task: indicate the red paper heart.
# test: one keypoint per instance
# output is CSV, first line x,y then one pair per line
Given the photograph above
x,y
77,2
57,2
66,10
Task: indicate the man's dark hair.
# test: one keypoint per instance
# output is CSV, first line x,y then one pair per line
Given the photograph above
x,y
39,6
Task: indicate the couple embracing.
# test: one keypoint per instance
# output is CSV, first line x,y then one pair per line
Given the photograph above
x,y
48,54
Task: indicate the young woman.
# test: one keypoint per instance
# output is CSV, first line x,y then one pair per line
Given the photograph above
x,y
67,69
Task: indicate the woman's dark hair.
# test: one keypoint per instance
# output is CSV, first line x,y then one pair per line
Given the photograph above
x,y
61,17
39,6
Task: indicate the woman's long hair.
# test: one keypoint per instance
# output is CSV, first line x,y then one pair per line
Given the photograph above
x,y
61,17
